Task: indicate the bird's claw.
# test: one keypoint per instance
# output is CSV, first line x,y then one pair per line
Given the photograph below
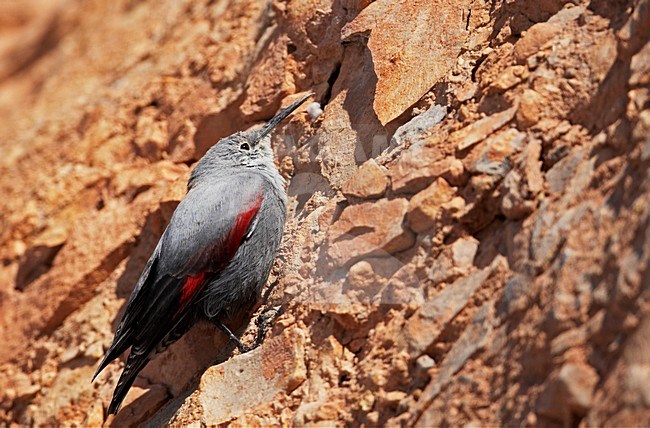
x,y
263,323
243,349
265,318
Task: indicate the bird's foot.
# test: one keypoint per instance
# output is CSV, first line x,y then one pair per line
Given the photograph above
x,y
263,323
242,348
267,293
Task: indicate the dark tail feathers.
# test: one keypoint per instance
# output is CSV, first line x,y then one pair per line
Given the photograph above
x,y
113,352
134,364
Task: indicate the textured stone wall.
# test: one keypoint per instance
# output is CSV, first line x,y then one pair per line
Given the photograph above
x,y
469,231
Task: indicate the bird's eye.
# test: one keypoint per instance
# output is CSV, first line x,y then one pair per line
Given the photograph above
x,y
245,146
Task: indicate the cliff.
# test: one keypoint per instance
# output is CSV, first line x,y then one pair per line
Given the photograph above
x,y
468,240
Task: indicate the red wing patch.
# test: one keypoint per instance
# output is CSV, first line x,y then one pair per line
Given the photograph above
x,y
194,284
240,226
191,286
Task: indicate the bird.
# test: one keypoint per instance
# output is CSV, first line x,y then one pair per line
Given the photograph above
x,y
215,255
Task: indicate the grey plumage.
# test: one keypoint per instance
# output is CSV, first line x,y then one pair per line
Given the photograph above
x,y
215,255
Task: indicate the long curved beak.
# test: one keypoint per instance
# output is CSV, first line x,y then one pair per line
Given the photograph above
x,y
268,127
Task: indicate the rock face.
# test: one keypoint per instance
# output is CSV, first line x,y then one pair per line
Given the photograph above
x,y
259,376
370,229
368,182
408,57
468,240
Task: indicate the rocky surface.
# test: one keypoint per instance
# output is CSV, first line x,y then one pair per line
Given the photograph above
x,y
469,232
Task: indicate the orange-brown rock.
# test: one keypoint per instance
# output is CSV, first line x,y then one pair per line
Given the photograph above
x,y
407,58
425,208
510,78
463,251
269,82
531,108
276,369
527,303
95,417
370,181
533,40
494,154
420,166
569,393
150,398
522,185
369,229
479,130
151,136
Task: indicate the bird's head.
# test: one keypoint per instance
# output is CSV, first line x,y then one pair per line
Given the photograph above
x,y
243,149
246,147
